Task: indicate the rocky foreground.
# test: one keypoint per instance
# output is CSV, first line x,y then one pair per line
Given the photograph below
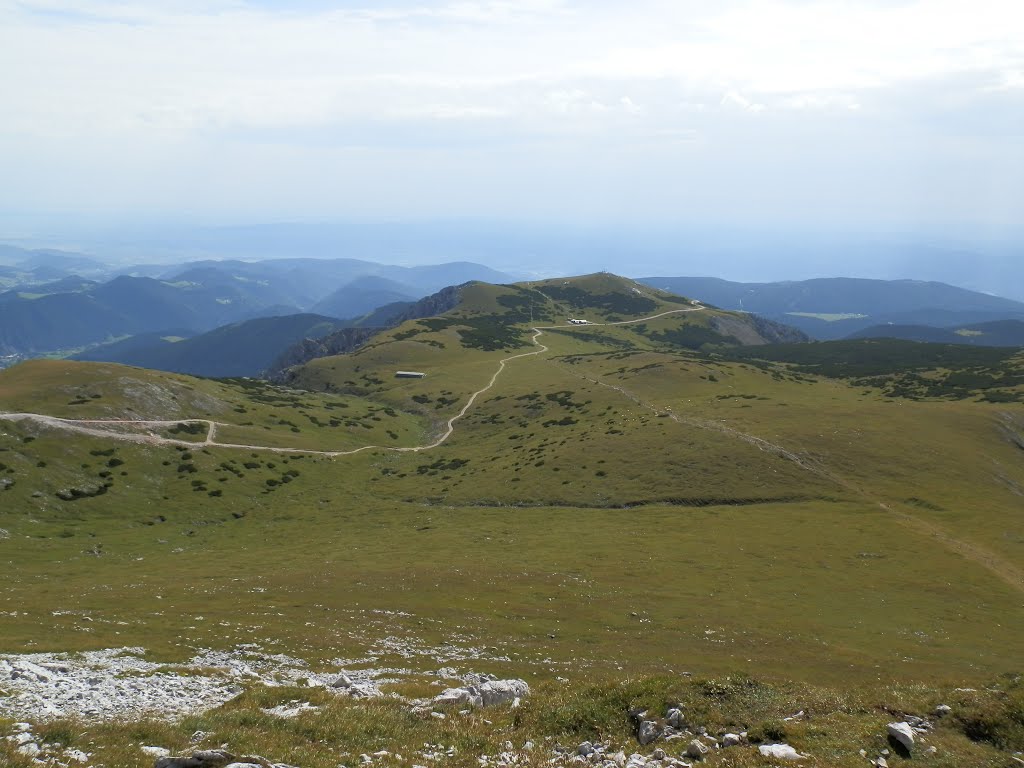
x,y
46,698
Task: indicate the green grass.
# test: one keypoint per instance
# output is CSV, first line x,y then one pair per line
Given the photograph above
x,y
616,511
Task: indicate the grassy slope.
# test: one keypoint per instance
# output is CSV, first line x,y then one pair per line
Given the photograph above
x,y
566,524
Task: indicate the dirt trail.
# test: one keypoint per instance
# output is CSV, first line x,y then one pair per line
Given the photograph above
x,y
1005,571
82,426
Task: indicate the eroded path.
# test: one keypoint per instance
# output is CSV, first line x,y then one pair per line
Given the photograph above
x,y
94,427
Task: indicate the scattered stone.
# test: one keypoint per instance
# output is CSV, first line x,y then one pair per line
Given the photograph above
x,y
437,715
501,691
648,731
156,751
289,711
932,750
674,717
880,763
942,710
466,696
731,740
697,750
780,752
29,749
77,755
902,733
585,749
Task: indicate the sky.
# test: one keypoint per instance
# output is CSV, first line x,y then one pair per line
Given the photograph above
x,y
798,115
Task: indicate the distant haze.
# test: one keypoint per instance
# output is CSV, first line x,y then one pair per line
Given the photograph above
x,y
527,250
819,115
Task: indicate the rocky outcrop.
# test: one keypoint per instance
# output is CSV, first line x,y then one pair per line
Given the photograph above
x,y
338,343
487,693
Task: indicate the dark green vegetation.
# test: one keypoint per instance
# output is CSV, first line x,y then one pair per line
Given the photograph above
x,y
638,500
998,333
907,369
834,308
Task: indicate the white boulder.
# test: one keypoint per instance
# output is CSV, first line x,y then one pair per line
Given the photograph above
x,y
502,691
779,752
902,733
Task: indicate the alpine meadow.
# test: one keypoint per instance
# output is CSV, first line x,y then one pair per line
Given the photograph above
x,y
660,507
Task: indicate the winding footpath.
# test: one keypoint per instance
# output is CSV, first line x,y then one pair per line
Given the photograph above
x,y
1008,572
93,427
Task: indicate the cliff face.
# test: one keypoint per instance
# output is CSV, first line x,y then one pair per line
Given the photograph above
x,y
430,306
338,343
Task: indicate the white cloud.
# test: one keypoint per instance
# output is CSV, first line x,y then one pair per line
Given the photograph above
x,y
203,86
734,99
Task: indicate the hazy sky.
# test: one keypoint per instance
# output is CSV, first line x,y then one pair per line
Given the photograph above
x,y
793,113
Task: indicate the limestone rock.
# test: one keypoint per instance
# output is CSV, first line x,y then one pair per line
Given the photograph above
x,y
697,750
648,731
731,740
902,733
29,749
487,693
779,751
502,691
466,696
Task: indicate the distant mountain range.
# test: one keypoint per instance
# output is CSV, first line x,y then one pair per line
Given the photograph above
x,y
57,302
836,308
48,307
